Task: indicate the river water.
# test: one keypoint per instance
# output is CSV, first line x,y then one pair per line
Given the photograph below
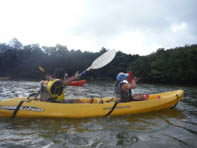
x,y
172,128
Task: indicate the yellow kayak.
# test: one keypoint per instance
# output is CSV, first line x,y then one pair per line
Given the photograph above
x,y
99,107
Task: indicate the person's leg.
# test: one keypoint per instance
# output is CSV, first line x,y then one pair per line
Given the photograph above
x,y
77,101
80,101
139,97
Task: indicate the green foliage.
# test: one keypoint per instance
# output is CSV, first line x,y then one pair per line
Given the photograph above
x,y
177,65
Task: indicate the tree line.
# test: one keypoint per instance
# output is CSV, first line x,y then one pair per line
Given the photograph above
x,y
172,66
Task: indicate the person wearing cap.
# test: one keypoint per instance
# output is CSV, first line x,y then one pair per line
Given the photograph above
x,y
53,90
122,87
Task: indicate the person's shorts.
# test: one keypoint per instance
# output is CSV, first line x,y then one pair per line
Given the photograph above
x,y
63,101
67,101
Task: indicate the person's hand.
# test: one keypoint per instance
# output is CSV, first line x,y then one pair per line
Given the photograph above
x,y
48,77
65,76
77,75
44,82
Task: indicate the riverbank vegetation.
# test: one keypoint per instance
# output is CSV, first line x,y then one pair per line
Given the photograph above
x,y
178,65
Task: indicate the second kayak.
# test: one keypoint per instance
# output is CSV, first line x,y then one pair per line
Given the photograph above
x,y
77,83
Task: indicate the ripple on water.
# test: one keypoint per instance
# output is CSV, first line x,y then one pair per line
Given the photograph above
x,y
168,128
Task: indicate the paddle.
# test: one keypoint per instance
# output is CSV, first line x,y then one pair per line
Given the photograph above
x,y
47,75
101,61
42,69
130,82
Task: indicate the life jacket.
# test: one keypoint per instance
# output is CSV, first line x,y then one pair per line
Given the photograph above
x,y
122,94
55,88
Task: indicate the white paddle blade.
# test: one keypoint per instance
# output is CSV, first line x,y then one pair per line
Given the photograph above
x,y
103,60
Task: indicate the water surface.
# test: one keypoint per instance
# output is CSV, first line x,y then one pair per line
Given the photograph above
x,y
167,128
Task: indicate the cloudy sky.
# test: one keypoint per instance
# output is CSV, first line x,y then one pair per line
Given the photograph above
x,y
132,26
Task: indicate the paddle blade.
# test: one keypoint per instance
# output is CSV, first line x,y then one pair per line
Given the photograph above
x,y
41,69
103,60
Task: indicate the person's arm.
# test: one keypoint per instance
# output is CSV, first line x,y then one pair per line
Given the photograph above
x,y
132,85
126,86
75,77
44,82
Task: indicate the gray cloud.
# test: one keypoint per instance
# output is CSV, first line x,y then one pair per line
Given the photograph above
x,y
109,18
133,26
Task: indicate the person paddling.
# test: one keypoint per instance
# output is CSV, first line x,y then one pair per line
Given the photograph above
x,y
52,90
122,87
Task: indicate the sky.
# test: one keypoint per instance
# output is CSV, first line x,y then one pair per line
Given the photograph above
x,y
131,26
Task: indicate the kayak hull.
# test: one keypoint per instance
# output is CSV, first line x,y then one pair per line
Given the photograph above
x,y
37,109
77,83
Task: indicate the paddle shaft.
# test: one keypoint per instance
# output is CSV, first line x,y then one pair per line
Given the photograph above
x,y
130,82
